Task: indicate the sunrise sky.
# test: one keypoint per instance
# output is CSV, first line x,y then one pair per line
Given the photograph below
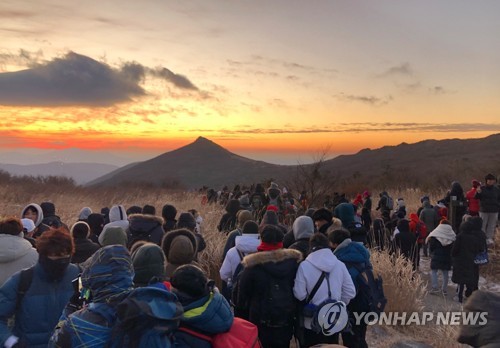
x,y
275,80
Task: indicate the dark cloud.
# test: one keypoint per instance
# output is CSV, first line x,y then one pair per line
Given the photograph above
x,y
366,99
21,58
404,69
77,80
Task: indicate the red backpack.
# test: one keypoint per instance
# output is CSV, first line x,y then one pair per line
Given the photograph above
x,y
421,232
242,334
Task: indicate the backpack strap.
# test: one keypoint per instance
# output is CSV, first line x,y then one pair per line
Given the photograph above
x,y
25,280
316,287
196,334
240,254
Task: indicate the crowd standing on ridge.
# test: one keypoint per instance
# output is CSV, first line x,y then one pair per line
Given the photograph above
x,y
129,278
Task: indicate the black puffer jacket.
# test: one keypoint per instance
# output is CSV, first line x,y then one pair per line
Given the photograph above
x,y
470,241
440,255
489,199
145,227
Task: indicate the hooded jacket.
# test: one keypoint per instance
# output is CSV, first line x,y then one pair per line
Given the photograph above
x,y
228,220
341,285
303,229
246,244
108,275
489,199
16,253
440,244
40,227
429,216
180,248
117,218
209,315
40,308
470,241
145,227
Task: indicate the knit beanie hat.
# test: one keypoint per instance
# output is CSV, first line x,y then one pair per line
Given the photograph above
x,y
168,212
186,220
250,227
84,213
48,208
113,235
243,216
190,280
179,246
303,227
149,262
489,177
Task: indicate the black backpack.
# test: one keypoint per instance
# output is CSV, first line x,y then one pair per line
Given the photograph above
x,y
279,305
370,295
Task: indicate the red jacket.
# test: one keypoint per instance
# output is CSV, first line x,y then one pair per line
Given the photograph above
x,y
473,202
421,231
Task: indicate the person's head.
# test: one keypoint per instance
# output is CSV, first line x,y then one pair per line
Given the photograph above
x,y
55,248
318,241
168,212
490,179
445,222
243,216
187,221
250,227
269,218
322,216
180,248
135,209
303,227
338,236
271,235
113,235
48,208
12,226
149,210
108,273
190,281
403,226
96,223
80,230
33,212
424,198
28,227
149,264
233,206
366,194
84,214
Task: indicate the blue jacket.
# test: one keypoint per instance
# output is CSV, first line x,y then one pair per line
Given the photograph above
x,y
209,315
350,252
40,308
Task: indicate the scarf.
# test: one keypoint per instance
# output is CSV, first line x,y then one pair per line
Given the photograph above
x,y
269,247
443,233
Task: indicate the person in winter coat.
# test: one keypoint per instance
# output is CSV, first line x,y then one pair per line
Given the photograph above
x,y
419,228
180,248
345,212
187,221
321,259
242,216
96,224
169,213
34,212
264,293
84,247
49,215
117,218
484,335
322,220
405,242
456,195
489,202
227,222
16,253
429,216
108,276
366,211
205,309
145,227
149,264
245,244
303,229
440,242
356,257
49,292
472,201
379,236
383,206
470,241
114,235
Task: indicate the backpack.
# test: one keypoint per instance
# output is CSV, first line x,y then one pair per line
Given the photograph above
x,y
232,285
242,334
279,305
369,290
421,232
390,203
146,318
25,280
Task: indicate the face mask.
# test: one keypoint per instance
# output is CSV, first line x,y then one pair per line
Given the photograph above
x,y
54,268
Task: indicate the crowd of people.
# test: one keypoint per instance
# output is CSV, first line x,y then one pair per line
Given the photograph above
x,y
130,278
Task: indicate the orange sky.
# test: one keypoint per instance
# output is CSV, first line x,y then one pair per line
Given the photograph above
x,y
256,77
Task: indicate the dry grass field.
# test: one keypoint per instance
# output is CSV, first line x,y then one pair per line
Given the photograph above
x,y
404,289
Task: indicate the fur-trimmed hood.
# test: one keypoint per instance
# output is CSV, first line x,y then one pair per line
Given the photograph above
x,y
179,246
145,218
275,256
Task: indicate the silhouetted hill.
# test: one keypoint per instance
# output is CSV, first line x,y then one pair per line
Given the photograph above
x,y
80,172
426,164
202,162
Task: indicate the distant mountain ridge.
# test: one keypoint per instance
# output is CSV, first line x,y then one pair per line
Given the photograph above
x,y
204,162
82,173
